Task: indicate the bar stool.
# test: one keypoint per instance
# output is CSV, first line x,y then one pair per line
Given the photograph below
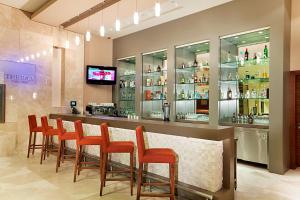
x,y
81,141
115,147
63,136
154,155
33,129
48,133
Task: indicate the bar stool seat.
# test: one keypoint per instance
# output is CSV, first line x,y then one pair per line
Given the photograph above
x,y
81,141
154,155
48,133
115,147
90,140
120,147
33,130
63,136
159,155
68,136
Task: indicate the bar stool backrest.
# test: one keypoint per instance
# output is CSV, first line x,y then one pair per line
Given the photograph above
x,y
78,130
32,122
45,125
140,142
60,126
105,136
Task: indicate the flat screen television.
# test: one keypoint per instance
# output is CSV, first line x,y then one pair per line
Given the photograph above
x,y
101,75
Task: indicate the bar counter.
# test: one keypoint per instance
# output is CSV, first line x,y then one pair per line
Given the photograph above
x,y
205,153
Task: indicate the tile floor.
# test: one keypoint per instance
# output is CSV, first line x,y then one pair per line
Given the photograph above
x,y
22,178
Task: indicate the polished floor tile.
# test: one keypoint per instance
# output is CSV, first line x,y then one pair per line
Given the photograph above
x,y
22,178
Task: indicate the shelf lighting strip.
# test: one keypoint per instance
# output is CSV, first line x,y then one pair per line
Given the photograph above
x,y
144,54
190,44
242,33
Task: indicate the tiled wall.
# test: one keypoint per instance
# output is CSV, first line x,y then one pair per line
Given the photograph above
x,y
21,37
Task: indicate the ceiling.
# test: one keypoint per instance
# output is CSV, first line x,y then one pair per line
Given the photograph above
x,y
26,5
57,12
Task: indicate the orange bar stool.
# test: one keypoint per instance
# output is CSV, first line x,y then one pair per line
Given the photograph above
x,y
81,141
154,155
33,130
63,136
114,147
48,133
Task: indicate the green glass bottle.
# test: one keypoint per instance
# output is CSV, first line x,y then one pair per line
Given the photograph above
x,y
266,52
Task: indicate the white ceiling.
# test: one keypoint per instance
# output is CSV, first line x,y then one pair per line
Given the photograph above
x,y
61,11
26,5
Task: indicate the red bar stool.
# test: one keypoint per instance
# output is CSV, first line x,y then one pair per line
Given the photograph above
x,y
63,136
33,129
155,155
81,141
48,133
114,147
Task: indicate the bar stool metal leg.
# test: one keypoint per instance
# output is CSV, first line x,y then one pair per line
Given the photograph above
x,y
34,143
29,144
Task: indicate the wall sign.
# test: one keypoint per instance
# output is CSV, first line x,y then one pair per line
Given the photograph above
x,y
18,72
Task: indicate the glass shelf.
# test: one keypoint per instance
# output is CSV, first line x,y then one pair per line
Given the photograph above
x,y
127,75
126,94
192,80
191,99
154,84
248,80
240,73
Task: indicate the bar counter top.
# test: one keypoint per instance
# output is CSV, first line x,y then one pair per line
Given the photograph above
x,y
199,131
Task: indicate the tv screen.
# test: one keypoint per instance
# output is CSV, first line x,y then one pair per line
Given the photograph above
x,y
101,75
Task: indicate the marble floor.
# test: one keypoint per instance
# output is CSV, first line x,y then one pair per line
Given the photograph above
x,y
22,178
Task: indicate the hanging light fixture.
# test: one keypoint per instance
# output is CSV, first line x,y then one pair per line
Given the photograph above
x,y
157,9
102,28
136,17
118,23
77,40
67,43
88,33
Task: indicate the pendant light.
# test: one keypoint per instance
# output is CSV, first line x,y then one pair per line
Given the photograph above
x,y
157,9
102,28
67,43
136,17
77,38
88,35
118,23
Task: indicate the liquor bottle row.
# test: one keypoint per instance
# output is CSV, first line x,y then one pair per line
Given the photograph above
x,y
195,64
194,79
191,95
254,93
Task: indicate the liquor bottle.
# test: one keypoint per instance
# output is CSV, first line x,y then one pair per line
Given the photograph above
x,y
149,69
246,55
233,118
195,78
253,93
228,57
182,66
229,93
158,68
195,63
266,52
182,80
182,94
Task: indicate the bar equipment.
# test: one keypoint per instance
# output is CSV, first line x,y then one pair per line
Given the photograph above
x,y
166,110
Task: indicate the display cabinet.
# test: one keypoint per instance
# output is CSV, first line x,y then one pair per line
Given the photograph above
x,y
244,78
126,72
192,82
154,84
